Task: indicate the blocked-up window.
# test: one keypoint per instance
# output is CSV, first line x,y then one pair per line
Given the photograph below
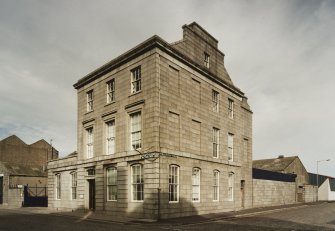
x,y
112,184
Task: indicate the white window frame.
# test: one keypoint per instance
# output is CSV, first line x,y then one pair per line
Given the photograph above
x,y
58,186
231,180
196,176
231,108
111,174
136,130
110,137
137,183
216,185
89,142
136,80
206,59
215,100
230,147
74,183
90,100
110,91
216,142
173,183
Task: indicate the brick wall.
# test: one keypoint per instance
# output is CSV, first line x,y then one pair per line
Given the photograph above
x,y
270,193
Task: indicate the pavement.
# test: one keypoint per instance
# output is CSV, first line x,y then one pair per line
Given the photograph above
x,y
104,217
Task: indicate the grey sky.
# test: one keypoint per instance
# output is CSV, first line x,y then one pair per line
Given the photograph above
x,y
280,53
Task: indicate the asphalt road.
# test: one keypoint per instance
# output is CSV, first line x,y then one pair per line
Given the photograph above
x,y
311,217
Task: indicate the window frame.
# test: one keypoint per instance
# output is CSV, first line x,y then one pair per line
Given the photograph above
x,y
89,142
196,184
110,91
173,183
111,185
206,59
90,100
58,186
231,108
216,142
136,80
230,146
134,185
110,137
231,182
216,185
215,101
136,130
74,184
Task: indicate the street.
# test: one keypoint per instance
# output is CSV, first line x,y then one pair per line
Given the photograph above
x,y
309,217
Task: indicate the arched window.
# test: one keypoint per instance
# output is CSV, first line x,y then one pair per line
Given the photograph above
x,y
173,183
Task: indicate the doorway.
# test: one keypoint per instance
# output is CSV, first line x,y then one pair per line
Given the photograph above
x,y
1,190
91,194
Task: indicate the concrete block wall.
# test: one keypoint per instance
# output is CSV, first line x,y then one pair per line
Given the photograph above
x,y
309,193
270,193
15,197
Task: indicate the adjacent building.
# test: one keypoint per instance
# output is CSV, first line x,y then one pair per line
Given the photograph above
x,y
22,165
162,132
326,186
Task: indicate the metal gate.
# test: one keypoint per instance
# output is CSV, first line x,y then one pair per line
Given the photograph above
x,y
35,196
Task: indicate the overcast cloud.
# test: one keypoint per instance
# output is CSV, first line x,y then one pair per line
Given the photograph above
x,y
280,53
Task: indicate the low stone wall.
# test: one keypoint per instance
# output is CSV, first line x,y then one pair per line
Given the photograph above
x,y
270,193
309,193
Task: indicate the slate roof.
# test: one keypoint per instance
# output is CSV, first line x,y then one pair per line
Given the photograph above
x,y
276,164
24,169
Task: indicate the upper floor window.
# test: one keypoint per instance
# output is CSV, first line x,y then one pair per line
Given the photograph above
x,y
195,184
89,96
136,130
230,108
216,138
215,101
58,186
231,186
73,185
216,185
110,137
136,79
112,184
89,142
206,60
173,183
111,91
137,182
230,146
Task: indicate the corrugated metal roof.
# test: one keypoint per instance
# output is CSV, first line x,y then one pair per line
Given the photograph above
x,y
24,170
269,175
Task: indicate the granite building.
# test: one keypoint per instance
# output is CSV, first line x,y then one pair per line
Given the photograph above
x,y
162,132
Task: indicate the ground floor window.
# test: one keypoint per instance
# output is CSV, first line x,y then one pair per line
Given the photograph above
x,y
73,185
112,184
215,185
173,183
231,186
58,186
137,182
195,184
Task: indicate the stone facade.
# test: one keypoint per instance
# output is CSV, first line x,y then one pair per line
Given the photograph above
x,y
180,103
